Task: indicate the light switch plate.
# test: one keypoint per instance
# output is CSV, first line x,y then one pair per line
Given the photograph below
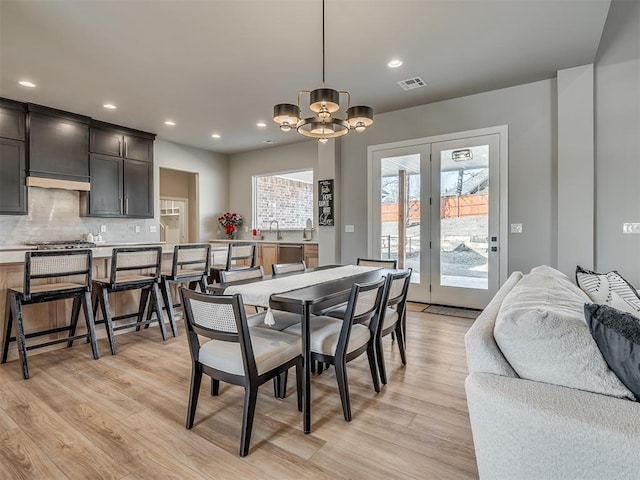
x,y
516,228
631,228
153,229
349,229
103,228
137,228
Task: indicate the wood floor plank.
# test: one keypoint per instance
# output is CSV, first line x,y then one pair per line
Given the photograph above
x,y
122,417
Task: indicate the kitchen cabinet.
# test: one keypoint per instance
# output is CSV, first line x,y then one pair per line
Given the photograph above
x,y
13,190
267,256
311,255
121,168
58,144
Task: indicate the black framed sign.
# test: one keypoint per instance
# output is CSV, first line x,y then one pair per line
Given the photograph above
x,y
325,203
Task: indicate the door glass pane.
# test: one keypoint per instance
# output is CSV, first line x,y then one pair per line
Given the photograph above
x,y
400,211
464,217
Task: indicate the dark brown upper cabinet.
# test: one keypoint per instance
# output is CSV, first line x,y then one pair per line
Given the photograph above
x,y
13,190
58,144
107,139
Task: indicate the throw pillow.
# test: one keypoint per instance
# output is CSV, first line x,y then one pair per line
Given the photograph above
x,y
618,337
541,330
609,288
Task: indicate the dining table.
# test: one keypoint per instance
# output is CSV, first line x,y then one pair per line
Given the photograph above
x,y
310,295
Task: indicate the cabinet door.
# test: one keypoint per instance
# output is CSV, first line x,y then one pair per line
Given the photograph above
x,y
58,147
13,191
12,123
105,142
269,256
311,255
138,189
138,148
106,197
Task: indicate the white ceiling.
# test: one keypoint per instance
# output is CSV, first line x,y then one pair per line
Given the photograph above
x,y
221,65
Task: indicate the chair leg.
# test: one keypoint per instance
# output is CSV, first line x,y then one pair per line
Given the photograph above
x,y
401,344
75,313
155,296
90,321
144,300
165,289
194,390
16,306
215,387
320,367
299,383
203,284
103,299
343,387
250,397
95,300
8,321
282,390
382,370
371,356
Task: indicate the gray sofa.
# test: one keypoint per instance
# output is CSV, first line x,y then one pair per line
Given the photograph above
x,y
524,429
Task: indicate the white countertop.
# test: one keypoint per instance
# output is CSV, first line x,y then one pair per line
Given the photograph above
x,y
287,242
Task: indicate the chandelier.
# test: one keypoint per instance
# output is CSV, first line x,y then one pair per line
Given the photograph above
x,y
323,104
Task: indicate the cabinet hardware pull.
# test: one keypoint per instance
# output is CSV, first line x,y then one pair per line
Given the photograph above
x,y
121,205
126,149
126,206
119,147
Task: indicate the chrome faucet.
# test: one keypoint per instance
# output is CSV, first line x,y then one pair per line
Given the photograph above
x,y
278,236
304,233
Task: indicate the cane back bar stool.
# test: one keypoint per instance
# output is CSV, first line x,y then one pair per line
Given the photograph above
x,y
190,264
67,266
132,268
281,268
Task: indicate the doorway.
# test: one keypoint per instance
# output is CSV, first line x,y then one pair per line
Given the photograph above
x,y
179,206
435,206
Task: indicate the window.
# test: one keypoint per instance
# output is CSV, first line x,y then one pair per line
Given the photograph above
x,y
284,197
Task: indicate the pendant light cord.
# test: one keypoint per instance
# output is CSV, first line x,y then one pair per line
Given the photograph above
x,y
322,43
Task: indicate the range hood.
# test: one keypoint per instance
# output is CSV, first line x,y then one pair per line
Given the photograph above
x,y
57,183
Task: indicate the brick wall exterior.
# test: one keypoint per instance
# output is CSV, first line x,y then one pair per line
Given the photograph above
x,y
288,201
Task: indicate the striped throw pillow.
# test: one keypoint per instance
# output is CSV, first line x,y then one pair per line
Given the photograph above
x,y
610,289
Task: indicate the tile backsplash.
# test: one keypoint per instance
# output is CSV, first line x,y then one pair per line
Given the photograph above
x,y
54,214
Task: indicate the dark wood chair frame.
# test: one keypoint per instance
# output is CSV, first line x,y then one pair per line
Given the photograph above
x,y
284,268
81,298
251,381
195,279
231,257
341,357
102,290
399,329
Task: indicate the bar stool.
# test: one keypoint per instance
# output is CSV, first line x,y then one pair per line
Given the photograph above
x,y
58,265
126,264
190,264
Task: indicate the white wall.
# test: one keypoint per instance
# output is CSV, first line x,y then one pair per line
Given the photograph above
x,y
242,168
530,113
617,80
213,180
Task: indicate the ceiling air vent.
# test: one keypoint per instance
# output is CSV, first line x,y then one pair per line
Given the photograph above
x,y
412,83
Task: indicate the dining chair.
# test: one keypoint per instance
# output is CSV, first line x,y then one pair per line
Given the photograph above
x,y
337,342
371,262
132,268
235,353
393,317
245,252
190,264
71,270
280,268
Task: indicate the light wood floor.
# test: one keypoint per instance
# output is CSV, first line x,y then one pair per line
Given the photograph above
x,y
122,417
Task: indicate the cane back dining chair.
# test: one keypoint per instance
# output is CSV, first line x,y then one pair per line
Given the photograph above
x,y
71,266
393,317
280,268
372,262
235,353
132,268
242,255
190,264
337,342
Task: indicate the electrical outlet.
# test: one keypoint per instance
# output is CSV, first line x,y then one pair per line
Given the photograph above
x,y
516,228
103,228
631,228
137,228
153,229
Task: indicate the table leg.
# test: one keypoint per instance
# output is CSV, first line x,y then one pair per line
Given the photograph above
x,y
306,383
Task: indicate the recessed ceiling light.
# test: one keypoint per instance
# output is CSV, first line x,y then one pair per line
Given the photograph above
x,y
261,124
110,106
215,135
170,122
395,63
26,83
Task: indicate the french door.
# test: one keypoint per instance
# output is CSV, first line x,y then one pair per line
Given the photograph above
x,y
435,207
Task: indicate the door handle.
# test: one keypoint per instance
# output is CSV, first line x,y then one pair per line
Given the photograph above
x,y
494,249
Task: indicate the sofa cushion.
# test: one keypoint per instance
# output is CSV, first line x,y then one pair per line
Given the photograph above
x,y
617,334
542,333
609,288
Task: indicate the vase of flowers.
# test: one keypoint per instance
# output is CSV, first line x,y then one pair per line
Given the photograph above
x,y
230,222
